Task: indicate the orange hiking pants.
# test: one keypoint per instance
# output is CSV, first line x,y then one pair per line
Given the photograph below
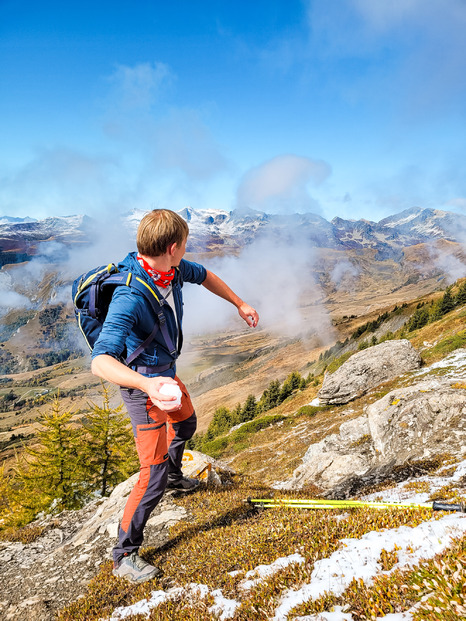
x,y
160,439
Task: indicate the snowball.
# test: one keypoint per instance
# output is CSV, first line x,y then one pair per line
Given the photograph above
x,y
173,390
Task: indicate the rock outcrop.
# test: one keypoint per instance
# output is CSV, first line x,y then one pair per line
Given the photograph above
x,y
413,423
40,577
367,369
419,421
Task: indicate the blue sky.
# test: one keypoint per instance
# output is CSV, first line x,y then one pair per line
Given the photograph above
x,y
354,108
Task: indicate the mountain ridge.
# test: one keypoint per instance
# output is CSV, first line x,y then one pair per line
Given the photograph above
x,y
212,229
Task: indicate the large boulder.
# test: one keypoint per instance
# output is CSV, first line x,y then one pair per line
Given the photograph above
x,y
419,422
408,424
367,369
335,458
107,517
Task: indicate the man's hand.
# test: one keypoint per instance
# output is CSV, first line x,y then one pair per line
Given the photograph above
x,y
152,386
216,285
249,314
112,370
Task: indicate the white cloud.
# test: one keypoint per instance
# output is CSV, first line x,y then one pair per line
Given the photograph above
x,y
343,274
182,141
139,86
282,184
276,275
62,181
457,203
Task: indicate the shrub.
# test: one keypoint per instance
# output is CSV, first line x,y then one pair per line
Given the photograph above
x,y
309,410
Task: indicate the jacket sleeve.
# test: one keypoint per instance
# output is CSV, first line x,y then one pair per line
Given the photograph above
x,y
192,272
124,312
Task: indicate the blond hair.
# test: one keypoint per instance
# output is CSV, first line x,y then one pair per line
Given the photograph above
x,y
158,230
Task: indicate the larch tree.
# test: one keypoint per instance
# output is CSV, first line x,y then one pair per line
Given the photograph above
x,y
50,470
108,449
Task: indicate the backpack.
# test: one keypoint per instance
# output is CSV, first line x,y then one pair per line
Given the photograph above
x,y
92,293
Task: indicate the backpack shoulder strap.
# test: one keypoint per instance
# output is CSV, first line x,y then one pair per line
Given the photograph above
x,y
157,305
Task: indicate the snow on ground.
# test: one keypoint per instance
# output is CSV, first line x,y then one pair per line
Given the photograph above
x,y
357,558
223,606
403,493
265,571
454,364
339,615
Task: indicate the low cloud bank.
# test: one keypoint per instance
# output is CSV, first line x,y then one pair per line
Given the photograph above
x,y
283,183
276,276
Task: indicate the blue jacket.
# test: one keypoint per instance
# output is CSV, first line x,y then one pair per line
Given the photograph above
x,y
130,317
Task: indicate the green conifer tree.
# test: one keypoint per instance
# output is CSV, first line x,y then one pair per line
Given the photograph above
x,y
270,396
109,455
295,379
461,295
221,422
249,410
291,383
418,319
236,415
285,391
447,303
273,394
51,469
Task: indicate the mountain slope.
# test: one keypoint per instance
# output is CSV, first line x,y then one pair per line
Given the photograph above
x,y
230,560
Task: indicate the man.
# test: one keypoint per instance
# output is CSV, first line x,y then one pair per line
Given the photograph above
x,y
159,264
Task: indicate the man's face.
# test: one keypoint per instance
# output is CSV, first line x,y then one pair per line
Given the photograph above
x,y
178,253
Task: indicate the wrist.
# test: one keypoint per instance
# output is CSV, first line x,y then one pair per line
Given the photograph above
x,y
144,384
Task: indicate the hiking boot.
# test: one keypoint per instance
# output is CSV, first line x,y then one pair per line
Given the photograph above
x,y
135,569
185,484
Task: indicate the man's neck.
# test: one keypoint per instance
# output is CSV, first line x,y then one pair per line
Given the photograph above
x,y
161,264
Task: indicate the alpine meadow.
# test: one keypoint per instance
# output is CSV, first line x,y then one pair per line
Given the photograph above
x,y
353,388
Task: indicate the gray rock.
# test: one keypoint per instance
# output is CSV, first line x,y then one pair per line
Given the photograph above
x,y
418,422
367,369
335,458
413,423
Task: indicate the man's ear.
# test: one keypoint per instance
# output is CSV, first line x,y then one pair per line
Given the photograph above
x,y
171,249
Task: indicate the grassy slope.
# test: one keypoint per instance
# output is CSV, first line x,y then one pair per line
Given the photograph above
x,y
224,535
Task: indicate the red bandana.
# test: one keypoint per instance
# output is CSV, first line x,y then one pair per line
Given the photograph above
x,y
161,279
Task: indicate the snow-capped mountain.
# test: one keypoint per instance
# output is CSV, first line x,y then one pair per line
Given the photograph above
x,y
62,228
19,237
408,228
212,229
14,220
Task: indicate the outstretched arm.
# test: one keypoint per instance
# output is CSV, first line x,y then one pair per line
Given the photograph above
x,y
216,285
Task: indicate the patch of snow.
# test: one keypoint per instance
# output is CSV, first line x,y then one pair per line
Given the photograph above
x,y
265,571
460,471
455,363
335,615
315,402
226,608
144,606
223,606
359,558
398,222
